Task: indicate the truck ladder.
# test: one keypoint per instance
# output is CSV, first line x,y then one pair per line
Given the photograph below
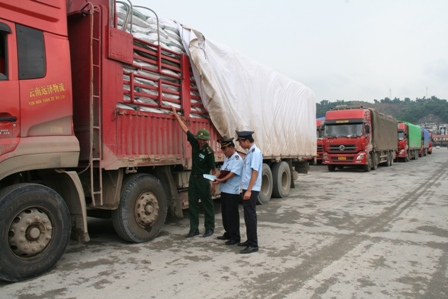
x,y
95,157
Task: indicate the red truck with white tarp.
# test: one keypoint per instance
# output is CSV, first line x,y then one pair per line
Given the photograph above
x,y
358,137
86,126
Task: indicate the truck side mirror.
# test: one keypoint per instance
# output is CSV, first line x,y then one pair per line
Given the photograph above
x,y
367,129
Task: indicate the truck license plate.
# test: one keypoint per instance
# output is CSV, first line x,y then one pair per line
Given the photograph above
x,y
342,158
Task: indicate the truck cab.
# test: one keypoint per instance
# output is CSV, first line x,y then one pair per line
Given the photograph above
x,y
347,138
359,137
403,133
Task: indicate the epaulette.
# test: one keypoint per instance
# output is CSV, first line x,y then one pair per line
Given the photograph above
x,y
253,150
237,157
209,150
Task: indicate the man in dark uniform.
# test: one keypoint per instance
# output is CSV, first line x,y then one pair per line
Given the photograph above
x,y
230,185
199,188
251,185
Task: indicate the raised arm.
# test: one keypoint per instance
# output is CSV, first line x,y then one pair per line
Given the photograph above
x,y
182,125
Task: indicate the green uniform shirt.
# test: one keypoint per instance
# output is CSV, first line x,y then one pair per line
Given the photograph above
x,y
203,160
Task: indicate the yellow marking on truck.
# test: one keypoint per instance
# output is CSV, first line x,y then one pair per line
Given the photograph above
x,y
52,92
342,158
342,121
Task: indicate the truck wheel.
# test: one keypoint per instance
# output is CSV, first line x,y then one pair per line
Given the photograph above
x,y
142,210
34,230
281,174
368,166
266,185
331,168
374,161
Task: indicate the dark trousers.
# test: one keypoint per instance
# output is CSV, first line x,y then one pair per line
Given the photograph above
x,y
250,218
199,188
231,215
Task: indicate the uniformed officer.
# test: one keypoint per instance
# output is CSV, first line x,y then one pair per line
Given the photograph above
x,y
230,184
203,159
251,185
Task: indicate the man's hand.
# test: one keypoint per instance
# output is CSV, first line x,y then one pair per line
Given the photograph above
x,y
213,188
247,195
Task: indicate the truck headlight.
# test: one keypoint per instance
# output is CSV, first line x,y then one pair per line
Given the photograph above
x,y
360,157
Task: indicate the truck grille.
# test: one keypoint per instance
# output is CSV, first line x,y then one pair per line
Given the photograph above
x,y
343,148
319,148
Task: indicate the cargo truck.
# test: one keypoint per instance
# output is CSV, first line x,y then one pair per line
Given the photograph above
x,y
409,141
358,137
319,136
86,128
430,143
425,143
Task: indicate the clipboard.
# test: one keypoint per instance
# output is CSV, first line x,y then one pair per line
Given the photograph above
x,y
223,173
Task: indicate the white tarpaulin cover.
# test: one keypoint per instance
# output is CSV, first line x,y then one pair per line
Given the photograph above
x,y
241,94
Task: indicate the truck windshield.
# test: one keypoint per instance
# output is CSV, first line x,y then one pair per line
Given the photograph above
x,y
401,135
343,130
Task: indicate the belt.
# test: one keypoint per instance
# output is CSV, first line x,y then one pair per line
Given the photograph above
x,y
197,176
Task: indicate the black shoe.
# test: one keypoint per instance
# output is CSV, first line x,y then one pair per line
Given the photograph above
x,y
244,244
249,249
231,242
208,233
192,233
223,237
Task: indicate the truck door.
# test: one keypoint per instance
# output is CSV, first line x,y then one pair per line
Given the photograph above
x,y
9,87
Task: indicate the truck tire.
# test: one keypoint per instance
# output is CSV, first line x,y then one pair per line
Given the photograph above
x,y
368,166
281,174
266,185
374,161
142,210
331,168
34,230
390,159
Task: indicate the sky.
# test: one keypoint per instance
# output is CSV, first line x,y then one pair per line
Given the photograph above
x,y
342,49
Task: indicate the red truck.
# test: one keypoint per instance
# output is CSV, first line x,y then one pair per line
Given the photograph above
x,y
319,136
430,143
86,129
358,137
409,141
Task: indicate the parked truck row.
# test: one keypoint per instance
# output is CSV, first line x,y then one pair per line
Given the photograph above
x,y
86,127
363,137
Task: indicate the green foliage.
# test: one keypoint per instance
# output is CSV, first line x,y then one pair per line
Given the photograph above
x,y
408,110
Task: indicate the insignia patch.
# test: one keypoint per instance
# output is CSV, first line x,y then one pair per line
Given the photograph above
x,y
253,150
237,157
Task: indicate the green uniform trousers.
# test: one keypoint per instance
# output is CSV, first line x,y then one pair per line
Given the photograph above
x,y
199,188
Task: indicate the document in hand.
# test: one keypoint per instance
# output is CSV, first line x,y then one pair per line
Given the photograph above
x,y
223,173
211,177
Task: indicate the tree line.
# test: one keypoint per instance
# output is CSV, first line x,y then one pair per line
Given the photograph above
x,y
422,110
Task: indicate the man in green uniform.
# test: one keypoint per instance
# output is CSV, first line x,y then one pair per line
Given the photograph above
x,y
199,188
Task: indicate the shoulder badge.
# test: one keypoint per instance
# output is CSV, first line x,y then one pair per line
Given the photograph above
x,y
237,157
209,151
253,150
